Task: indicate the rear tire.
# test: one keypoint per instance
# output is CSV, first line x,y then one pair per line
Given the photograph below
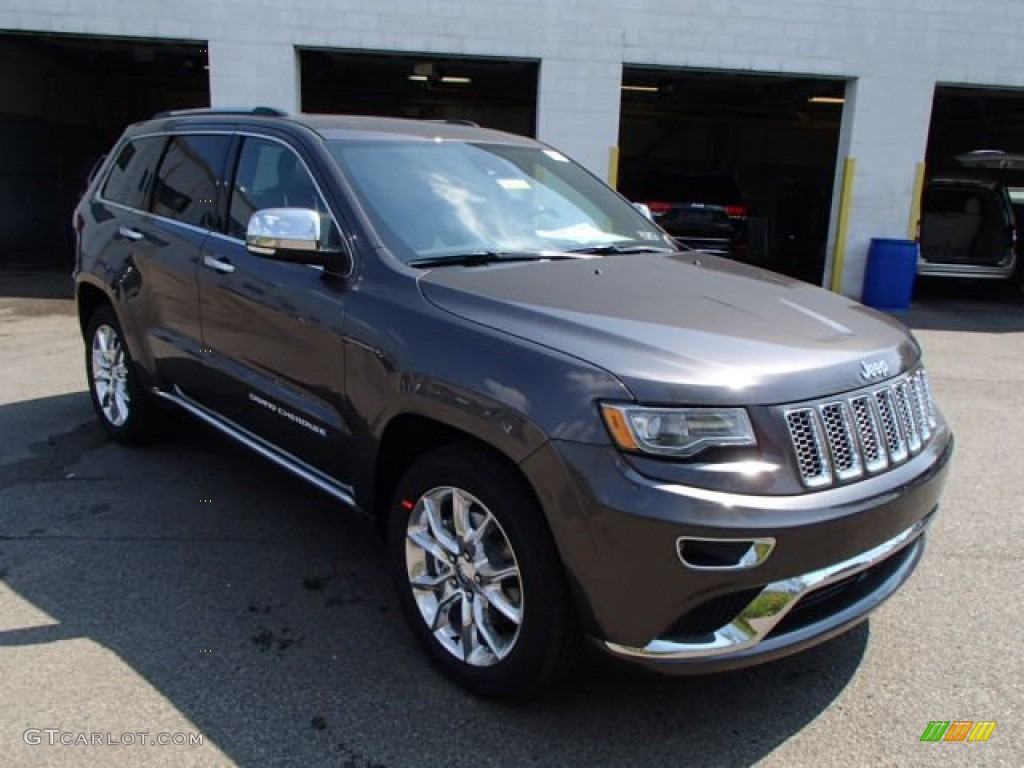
x,y
478,575
122,405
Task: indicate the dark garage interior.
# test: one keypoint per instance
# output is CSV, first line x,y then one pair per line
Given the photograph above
x,y
64,101
761,146
970,119
496,93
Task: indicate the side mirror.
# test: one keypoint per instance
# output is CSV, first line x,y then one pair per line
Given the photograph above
x,y
289,234
645,210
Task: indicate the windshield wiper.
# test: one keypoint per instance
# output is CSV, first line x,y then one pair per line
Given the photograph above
x,y
479,258
611,248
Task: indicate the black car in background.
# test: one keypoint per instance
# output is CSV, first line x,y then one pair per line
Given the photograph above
x,y
704,212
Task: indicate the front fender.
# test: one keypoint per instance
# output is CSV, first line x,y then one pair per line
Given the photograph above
x,y
404,356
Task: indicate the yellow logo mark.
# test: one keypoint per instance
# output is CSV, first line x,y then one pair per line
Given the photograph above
x,y
982,730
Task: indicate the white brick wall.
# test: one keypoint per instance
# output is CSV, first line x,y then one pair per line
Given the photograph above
x,y
896,50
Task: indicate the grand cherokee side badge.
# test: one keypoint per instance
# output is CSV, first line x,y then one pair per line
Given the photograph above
x,y
873,369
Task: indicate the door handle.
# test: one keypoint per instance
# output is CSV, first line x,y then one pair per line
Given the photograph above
x,y
220,266
130,234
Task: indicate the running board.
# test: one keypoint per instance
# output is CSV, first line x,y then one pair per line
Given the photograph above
x,y
267,450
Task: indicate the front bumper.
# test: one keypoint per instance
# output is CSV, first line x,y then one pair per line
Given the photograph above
x,y
833,557
761,630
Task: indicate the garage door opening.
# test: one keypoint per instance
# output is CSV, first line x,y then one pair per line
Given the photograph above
x,y
970,119
741,165
63,102
495,93
972,206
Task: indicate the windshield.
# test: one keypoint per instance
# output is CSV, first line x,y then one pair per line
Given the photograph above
x,y
434,199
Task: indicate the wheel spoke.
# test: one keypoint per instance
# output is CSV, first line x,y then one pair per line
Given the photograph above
x,y
492,575
483,625
99,361
468,631
111,345
101,343
441,618
430,582
120,406
460,517
501,603
441,534
423,539
478,533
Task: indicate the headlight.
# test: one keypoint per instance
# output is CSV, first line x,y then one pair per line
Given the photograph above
x,y
676,431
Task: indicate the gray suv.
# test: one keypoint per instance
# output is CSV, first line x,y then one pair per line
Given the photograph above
x,y
566,429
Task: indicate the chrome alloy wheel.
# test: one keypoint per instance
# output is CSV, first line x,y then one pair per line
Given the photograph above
x,y
464,576
110,375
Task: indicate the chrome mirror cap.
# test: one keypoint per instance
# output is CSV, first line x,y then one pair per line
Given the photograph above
x,y
645,210
283,229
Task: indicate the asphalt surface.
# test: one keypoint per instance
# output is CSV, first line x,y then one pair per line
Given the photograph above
x,y
191,588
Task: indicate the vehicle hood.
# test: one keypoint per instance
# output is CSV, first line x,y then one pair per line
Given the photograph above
x,y
682,328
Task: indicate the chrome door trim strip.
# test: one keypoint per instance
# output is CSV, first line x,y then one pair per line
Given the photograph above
x,y
267,450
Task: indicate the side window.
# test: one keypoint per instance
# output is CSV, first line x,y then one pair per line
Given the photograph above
x,y
270,175
186,183
131,175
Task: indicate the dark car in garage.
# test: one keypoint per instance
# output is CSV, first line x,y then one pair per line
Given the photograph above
x,y
704,212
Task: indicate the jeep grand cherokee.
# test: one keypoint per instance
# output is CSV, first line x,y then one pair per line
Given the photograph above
x,y
566,428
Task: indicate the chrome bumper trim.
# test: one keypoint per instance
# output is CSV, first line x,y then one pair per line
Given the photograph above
x,y
757,551
770,607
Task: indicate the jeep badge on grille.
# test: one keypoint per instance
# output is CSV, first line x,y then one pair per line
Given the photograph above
x,y
873,369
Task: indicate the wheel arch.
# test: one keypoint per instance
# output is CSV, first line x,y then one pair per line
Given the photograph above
x,y
409,436
89,298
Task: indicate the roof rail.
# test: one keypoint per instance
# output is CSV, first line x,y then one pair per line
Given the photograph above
x,y
264,111
455,121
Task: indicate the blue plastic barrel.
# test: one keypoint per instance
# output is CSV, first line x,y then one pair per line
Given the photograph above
x,y
889,277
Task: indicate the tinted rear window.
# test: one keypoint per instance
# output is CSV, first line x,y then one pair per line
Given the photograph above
x,y
186,184
952,200
131,175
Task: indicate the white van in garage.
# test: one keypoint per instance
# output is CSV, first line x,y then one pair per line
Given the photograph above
x,y
969,218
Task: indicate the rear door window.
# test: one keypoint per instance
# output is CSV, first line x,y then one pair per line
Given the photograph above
x,y
186,183
131,175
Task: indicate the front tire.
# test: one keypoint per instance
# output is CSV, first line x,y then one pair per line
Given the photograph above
x,y
121,403
478,575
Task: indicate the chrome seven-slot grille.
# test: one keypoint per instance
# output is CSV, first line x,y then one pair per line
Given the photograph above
x,y
865,432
